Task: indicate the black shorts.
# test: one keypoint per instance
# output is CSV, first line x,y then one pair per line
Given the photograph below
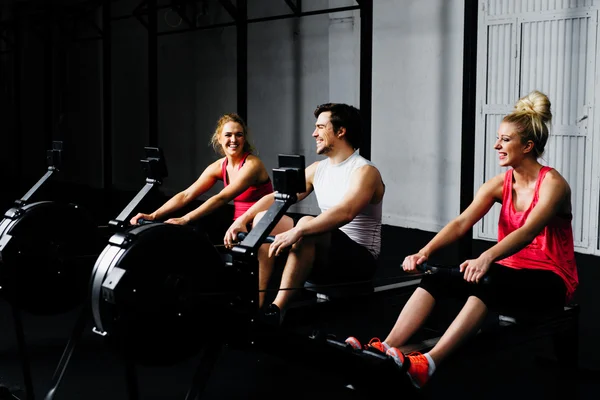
x,y
344,261
513,291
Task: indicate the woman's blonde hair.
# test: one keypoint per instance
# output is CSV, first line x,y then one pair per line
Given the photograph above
x,y
225,118
532,116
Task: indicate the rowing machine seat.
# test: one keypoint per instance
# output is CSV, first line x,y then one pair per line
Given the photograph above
x,y
342,290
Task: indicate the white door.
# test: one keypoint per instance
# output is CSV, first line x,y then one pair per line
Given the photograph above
x,y
554,51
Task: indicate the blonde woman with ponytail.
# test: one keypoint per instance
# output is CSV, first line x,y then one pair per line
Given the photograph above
x,y
531,267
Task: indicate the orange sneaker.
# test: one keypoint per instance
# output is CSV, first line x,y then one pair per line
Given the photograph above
x,y
353,343
415,364
398,357
376,346
418,369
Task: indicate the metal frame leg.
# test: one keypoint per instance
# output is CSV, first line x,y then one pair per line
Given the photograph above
x,y
133,389
25,364
68,352
208,359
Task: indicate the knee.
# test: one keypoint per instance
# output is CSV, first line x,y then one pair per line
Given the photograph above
x,y
258,217
306,241
302,221
478,302
302,245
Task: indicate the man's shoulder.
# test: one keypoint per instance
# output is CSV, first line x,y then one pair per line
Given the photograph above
x,y
314,165
359,158
364,163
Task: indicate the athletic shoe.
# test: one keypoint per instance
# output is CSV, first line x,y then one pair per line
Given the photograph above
x,y
415,364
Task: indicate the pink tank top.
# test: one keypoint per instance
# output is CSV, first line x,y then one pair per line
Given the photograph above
x,y
551,250
246,199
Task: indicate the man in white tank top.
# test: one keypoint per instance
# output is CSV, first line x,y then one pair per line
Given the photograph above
x,y
343,242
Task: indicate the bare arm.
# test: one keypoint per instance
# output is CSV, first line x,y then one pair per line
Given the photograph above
x,y
489,193
252,173
263,204
206,180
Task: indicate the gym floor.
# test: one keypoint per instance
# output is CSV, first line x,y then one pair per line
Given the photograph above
x,y
95,372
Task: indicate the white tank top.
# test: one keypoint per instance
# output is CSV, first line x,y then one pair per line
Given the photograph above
x,y
331,183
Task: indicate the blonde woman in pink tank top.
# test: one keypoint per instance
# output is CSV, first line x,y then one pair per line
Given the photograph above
x,y
531,267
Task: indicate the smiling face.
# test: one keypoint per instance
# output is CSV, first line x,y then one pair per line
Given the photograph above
x,y
232,138
509,145
324,134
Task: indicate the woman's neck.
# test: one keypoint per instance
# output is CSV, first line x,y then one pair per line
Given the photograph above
x,y
235,160
527,172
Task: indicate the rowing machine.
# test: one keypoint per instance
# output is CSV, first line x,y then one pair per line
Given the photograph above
x,y
155,169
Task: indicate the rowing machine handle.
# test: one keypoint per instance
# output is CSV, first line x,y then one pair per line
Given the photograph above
x,y
142,221
242,235
445,270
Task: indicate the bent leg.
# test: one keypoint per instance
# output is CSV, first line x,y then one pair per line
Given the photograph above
x,y
411,318
467,323
521,290
420,305
266,263
299,263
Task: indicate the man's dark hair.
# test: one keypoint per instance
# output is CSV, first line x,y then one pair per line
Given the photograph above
x,y
344,115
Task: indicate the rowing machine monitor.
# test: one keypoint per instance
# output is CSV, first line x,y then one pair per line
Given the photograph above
x,y
289,178
154,164
53,159
155,168
54,155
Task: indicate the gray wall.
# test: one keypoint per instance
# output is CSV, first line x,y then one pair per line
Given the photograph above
x,y
293,65
417,105
288,75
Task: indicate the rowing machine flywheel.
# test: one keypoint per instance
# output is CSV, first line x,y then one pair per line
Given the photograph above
x,y
157,293
47,252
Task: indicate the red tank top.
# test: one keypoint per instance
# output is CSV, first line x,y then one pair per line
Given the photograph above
x,y
246,199
552,249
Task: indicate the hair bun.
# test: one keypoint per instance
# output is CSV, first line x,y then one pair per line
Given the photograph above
x,y
536,103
